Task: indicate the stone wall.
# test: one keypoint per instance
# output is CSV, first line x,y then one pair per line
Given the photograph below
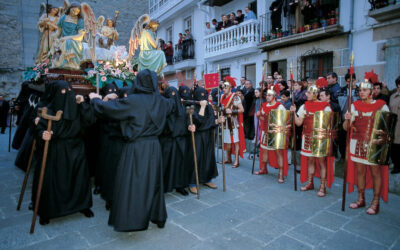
x,y
20,37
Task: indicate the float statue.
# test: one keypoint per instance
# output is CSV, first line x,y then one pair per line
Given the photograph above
x,y
48,27
144,35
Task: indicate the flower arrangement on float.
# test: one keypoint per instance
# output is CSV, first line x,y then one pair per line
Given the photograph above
x,y
109,72
37,71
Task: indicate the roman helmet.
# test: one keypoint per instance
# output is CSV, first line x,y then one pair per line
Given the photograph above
x,y
314,90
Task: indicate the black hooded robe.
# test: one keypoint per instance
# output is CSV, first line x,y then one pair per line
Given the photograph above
x,y
204,137
66,185
173,142
138,191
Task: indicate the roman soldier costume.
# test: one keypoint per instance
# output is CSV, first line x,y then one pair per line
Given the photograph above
x,y
312,131
233,127
367,139
274,128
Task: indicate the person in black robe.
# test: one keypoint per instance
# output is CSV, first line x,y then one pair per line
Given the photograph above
x,y
138,191
66,185
205,122
4,108
173,142
103,128
30,99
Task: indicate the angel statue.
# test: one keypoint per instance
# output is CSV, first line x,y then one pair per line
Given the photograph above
x,y
143,34
77,20
108,33
48,27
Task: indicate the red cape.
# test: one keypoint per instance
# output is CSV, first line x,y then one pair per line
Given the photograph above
x,y
351,169
313,106
242,141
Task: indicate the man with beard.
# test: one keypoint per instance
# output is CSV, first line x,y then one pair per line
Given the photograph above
x,y
138,192
360,171
205,122
234,141
66,185
174,143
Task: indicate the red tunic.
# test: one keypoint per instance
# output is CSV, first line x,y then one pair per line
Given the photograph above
x,y
311,106
361,131
273,161
227,101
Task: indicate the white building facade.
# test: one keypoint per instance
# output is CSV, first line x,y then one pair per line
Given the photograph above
x,y
243,50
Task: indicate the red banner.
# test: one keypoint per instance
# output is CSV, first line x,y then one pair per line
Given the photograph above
x,y
211,81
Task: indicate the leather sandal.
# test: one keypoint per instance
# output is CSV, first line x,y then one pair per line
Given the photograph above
x,y
235,165
309,185
193,190
210,185
373,208
360,201
322,188
261,172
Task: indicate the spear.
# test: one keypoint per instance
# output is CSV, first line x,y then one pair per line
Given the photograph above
x,y
258,122
349,100
293,131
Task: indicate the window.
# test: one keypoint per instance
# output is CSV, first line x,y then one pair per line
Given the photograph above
x,y
188,74
169,34
225,72
188,23
153,5
318,65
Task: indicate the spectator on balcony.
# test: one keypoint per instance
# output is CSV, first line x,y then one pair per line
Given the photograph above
x,y
249,14
289,11
232,18
169,52
188,46
179,47
308,12
215,24
226,23
239,17
276,13
209,29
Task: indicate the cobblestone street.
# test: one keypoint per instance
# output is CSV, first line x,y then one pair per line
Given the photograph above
x,y
255,212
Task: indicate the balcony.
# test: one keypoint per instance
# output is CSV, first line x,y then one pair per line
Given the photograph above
x,y
183,57
232,42
382,13
290,35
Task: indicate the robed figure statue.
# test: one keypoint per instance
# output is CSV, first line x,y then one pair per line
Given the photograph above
x,y
47,25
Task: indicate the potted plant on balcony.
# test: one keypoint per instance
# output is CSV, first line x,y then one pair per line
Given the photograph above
x,y
301,29
315,24
332,18
273,34
307,27
279,33
263,38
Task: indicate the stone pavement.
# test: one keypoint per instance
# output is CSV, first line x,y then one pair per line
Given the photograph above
x,y
255,212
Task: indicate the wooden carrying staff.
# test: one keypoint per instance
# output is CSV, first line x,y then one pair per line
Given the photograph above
x,y
21,195
10,126
349,100
49,119
190,110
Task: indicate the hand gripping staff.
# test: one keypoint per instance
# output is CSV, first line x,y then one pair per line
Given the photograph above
x,y
190,110
49,119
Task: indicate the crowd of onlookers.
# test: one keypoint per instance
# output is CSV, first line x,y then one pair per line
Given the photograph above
x,y
228,20
330,91
184,48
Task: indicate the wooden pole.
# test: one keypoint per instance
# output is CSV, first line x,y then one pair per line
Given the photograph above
x,y
46,148
21,195
10,130
190,111
97,83
294,158
48,27
349,100
223,154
